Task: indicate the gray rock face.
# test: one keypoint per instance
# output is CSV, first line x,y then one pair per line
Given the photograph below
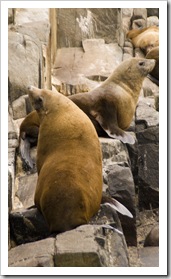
x,y
22,51
75,25
37,254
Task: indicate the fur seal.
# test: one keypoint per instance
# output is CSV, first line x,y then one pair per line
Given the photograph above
x,y
69,163
112,105
146,38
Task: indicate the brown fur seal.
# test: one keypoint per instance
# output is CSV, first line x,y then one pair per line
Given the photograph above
x,y
146,38
154,54
69,163
111,106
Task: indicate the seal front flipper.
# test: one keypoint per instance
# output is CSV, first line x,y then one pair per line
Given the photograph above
x,y
107,122
24,150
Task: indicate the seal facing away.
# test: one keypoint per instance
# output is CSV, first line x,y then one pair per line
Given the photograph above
x,y
112,105
69,162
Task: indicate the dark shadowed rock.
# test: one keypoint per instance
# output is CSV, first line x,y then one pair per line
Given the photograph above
x,y
148,175
27,226
121,186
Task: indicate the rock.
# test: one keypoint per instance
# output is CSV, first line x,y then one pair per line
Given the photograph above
x,y
146,115
87,246
150,88
26,189
126,18
149,256
27,226
153,12
121,186
9,191
148,175
11,16
75,25
12,134
140,13
37,30
149,135
152,238
156,99
19,108
22,48
128,50
37,254
152,20
114,151
139,23
98,59
31,15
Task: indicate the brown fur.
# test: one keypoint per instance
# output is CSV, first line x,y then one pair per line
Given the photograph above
x,y
146,38
69,163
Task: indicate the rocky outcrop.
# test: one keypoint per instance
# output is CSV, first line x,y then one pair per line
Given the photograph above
x,y
85,56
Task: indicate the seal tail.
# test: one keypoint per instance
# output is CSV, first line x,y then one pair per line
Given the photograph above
x,y
114,204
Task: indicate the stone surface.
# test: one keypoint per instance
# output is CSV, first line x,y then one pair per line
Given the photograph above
x,y
148,175
152,20
87,246
153,12
121,186
37,254
114,151
19,108
26,189
95,59
22,48
149,256
149,135
150,88
75,25
146,115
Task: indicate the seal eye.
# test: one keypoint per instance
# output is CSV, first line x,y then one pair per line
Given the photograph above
x,y
141,63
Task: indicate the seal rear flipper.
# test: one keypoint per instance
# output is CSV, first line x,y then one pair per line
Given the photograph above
x,y
114,204
24,150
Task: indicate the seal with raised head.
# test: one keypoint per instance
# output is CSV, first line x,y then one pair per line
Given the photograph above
x,y
112,105
145,38
69,162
